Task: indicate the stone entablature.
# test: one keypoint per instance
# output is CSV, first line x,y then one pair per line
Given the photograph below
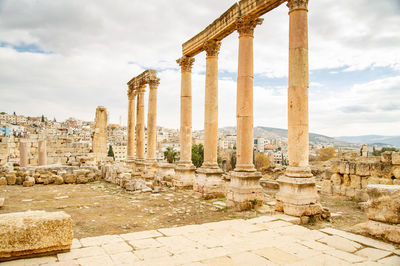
x,y
226,23
147,77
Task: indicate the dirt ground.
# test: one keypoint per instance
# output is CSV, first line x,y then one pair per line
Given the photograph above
x,y
101,208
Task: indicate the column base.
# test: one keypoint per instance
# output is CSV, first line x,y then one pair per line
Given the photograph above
x,y
150,169
245,191
298,196
140,166
209,183
184,176
130,163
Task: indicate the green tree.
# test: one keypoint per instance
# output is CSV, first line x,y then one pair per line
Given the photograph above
x,y
197,155
42,118
110,152
233,160
170,155
379,152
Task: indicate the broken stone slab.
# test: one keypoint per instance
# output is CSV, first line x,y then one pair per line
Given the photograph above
x,y
34,232
383,230
384,203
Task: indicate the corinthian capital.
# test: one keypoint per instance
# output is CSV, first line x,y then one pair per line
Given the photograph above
x,y
212,47
297,4
131,94
186,63
154,83
246,25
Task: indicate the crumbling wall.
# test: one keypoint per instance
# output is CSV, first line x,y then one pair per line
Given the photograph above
x,y
351,176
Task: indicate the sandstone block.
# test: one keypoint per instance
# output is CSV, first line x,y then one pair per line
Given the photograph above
x,y
3,181
385,181
350,192
396,158
336,179
19,180
386,157
386,170
364,182
383,230
326,187
396,172
346,180
29,181
342,167
11,178
373,180
362,169
384,203
376,169
352,168
34,232
82,179
328,174
361,195
355,181
69,179
58,180
335,165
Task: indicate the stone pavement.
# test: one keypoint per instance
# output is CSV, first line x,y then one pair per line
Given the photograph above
x,y
266,240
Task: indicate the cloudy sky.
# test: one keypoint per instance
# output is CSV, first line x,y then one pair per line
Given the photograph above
x,y
63,58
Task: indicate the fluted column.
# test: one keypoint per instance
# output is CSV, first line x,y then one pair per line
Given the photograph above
x,y
211,105
23,154
298,137
152,121
42,150
186,110
140,134
131,125
244,105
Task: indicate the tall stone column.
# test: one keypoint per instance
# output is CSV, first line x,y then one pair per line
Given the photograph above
x,y
131,127
208,180
297,194
99,137
245,191
184,172
42,150
23,154
140,133
151,160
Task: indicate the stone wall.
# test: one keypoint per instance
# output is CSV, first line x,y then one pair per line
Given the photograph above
x,y
351,176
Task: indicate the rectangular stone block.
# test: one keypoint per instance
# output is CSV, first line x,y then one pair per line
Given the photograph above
x,y
396,158
355,181
362,169
384,203
34,232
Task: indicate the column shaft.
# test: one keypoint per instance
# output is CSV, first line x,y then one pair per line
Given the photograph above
x,y
186,111
152,122
42,150
298,89
140,133
211,105
131,126
23,154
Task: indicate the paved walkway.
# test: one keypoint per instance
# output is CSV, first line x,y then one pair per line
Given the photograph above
x,y
267,240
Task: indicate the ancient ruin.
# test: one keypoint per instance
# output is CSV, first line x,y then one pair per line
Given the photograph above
x,y
99,137
136,87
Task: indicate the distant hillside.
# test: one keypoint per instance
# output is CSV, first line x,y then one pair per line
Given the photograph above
x,y
279,133
373,139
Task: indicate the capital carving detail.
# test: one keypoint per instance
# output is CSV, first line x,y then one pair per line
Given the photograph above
x,y
297,4
246,25
154,83
131,94
186,63
212,47
141,90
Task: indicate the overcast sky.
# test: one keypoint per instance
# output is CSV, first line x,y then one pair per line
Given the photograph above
x,y
64,58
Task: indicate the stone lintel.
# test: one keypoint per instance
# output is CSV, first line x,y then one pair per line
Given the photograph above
x,y
226,23
141,80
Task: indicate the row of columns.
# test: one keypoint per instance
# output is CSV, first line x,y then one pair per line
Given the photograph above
x,y
136,153
297,194
23,153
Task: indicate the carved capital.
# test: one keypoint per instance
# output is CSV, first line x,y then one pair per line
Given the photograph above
x,y
212,47
297,4
154,83
186,63
246,25
131,94
141,90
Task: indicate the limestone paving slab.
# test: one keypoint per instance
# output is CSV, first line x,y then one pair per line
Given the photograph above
x,y
145,243
141,235
248,258
340,243
125,258
373,253
390,261
117,247
276,255
96,261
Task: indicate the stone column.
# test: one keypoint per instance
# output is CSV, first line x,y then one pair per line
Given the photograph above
x,y
140,129
298,195
23,154
245,191
99,137
208,180
131,127
151,159
184,173
42,150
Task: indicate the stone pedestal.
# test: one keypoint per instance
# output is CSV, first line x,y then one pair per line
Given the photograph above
x,y
209,183
140,166
244,192
184,176
150,169
165,171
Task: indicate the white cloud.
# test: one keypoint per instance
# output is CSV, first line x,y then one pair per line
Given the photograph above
x,y
97,46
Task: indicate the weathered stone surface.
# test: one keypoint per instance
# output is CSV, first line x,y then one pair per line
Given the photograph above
x,y
58,180
69,179
29,181
355,181
1,202
396,172
11,178
336,179
82,179
362,169
346,180
384,230
34,232
396,158
384,203
3,181
326,187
